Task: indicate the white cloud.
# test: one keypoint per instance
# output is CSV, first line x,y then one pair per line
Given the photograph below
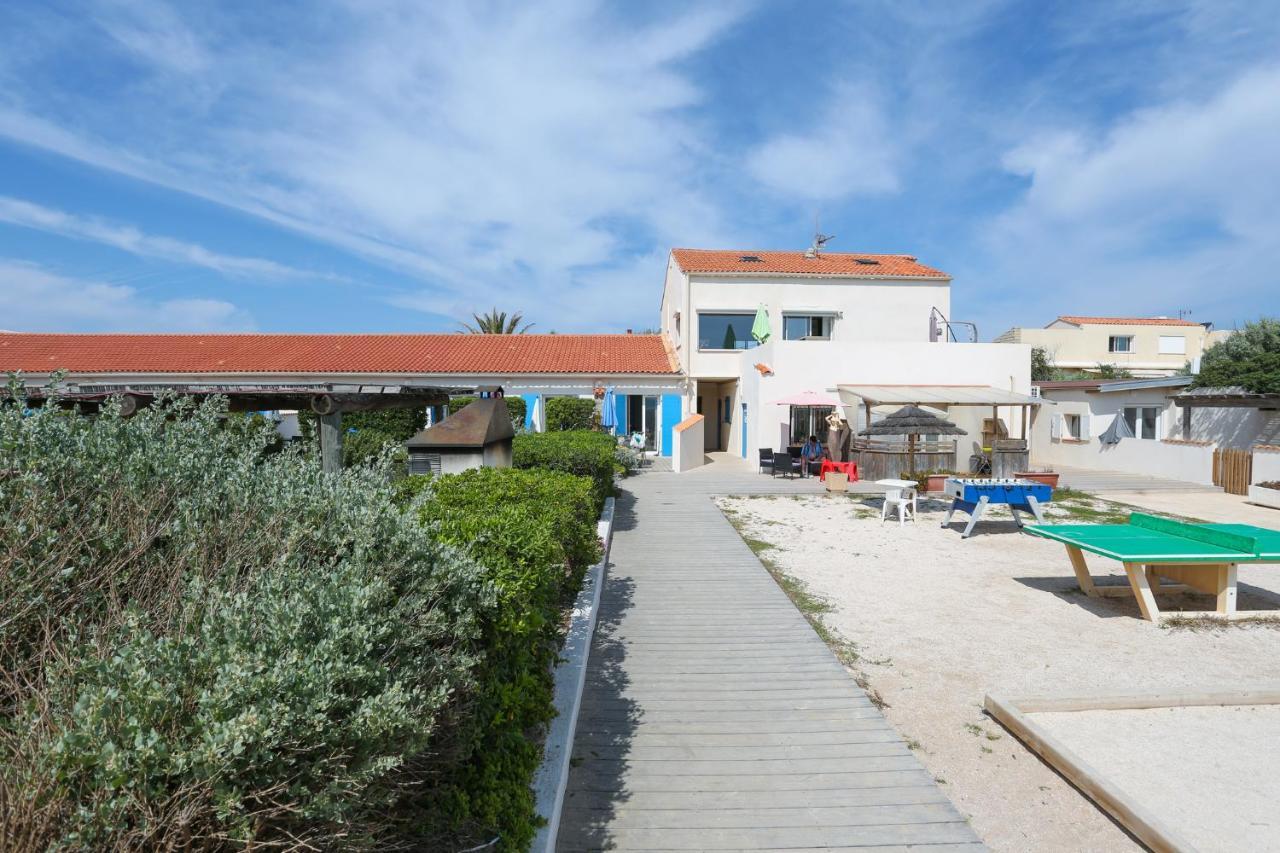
x,y
480,148
127,238
33,298
851,150
1172,206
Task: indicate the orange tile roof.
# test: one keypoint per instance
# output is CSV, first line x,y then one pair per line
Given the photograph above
x,y
1127,321
273,353
795,263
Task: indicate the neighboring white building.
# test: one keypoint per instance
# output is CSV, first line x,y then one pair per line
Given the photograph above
x,y
836,319
1144,346
1169,440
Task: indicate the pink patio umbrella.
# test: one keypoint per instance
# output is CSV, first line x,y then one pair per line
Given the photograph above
x,y
808,398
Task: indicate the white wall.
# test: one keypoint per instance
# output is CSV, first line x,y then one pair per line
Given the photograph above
x,y
673,299
821,365
1155,457
687,437
1228,427
1266,466
872,310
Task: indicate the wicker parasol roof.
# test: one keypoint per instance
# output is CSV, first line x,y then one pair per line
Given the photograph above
x,y
910,420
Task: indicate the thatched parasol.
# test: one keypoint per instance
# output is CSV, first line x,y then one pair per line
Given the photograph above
x,y
912,421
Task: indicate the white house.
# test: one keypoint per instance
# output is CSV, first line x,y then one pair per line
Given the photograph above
x,y
837,319
839,322
1170,438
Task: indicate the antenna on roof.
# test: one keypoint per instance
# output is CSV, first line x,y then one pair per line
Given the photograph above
x,y
820,240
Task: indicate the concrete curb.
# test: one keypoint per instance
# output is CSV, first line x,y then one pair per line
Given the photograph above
x,y
571,673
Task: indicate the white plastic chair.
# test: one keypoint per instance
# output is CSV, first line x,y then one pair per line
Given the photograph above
x,y
899,495
637,444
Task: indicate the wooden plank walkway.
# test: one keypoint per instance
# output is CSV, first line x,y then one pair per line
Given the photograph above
x,y
714,718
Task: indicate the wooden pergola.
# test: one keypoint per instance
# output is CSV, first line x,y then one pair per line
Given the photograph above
x,y
327,400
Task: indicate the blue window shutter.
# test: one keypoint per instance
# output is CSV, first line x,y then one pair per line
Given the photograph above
x,y
529,400
620,408
670,417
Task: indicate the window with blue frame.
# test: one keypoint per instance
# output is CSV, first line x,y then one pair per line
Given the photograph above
x,y
726,331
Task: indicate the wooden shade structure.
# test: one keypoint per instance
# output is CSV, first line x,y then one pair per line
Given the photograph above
x,y
912,421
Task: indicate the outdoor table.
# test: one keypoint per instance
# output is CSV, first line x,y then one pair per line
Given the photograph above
x,y
1165,556
850,468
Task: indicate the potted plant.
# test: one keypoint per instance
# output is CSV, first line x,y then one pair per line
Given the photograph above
x,y
1049,478
1265,494
932,480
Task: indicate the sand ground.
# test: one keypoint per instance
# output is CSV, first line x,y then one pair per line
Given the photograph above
x,y
1222,752
940,621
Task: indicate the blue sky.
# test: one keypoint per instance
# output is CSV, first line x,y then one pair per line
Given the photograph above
x,y
383,166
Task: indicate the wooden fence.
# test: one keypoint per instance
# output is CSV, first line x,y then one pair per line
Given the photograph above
x,y
1232,469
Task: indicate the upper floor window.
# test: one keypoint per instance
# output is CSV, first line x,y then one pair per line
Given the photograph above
x,y
1173,345
799,327
1120,343
1143,420
726,331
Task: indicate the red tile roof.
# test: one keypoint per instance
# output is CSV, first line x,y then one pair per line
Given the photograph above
x,y
795,263
253,353
1127,321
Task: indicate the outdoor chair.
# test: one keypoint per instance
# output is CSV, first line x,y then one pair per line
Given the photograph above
x,y
789,464
766,460
979,461
637,444
900,495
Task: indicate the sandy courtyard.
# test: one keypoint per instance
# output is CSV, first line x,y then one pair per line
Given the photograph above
x,y
940,621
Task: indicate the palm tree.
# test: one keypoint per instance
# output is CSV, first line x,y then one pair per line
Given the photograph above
x,y
495,322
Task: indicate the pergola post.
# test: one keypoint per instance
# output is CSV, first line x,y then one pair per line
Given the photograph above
x,y
331,442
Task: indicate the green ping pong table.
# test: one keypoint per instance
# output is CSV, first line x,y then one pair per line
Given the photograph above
x,y
1165,556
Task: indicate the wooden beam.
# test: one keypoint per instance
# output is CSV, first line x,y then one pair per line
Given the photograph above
x,y
1131,815
331,442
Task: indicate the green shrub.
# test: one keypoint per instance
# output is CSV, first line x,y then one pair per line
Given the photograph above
x,y
585,453
570,413
535,534
207,645
515,407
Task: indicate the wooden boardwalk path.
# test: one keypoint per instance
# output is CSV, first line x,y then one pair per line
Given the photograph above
x,y
714,718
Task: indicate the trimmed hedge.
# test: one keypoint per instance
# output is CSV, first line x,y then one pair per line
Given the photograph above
x,y
570,413
581,452
535,534
515,407
209,645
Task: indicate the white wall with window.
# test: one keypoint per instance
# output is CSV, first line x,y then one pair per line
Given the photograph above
x,y
1120,343
808,326
1144,421
1068,433
803,309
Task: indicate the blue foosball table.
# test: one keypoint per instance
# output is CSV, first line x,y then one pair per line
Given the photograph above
x,y
975,495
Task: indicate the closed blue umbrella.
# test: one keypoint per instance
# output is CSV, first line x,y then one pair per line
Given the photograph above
x,y
609,411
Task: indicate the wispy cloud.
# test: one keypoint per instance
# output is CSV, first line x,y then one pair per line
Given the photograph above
x,y
1171,205
34,298
474,148
850,150
14,211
